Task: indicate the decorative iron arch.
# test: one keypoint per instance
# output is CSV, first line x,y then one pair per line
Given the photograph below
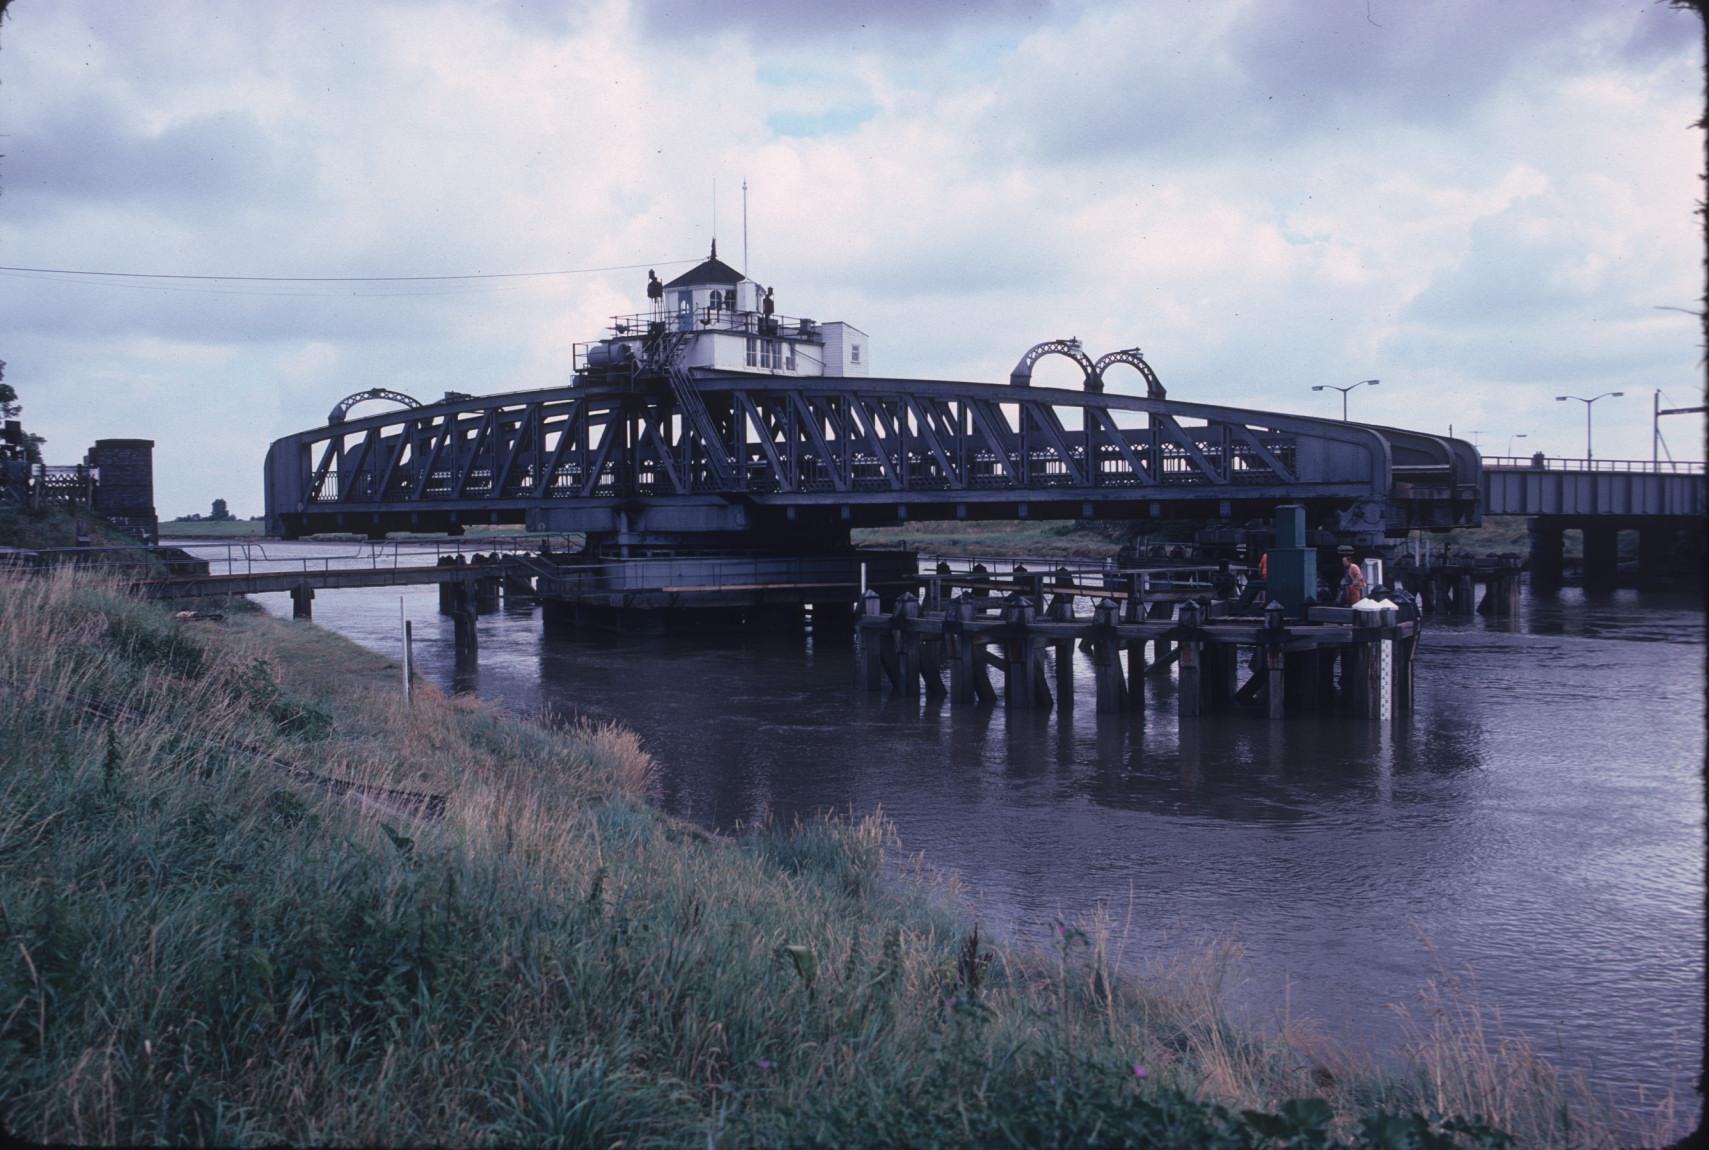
x,y
1131,357
344,405
1023,374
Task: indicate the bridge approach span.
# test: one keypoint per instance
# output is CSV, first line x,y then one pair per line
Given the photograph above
x,y
795,462
1593,491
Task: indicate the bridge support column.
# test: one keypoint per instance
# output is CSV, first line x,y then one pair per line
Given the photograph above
x,y
1660,555
302,601
1601,557
1546,564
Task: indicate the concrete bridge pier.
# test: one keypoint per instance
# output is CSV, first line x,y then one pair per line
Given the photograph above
x,y
302,601
1601,557
1546,562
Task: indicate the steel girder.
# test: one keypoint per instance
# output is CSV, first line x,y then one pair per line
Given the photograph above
x,y
772,441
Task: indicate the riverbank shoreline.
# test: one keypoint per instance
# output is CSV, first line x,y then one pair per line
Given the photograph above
x,y
547,950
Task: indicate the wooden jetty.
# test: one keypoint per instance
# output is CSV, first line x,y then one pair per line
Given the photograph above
x,y
1267,663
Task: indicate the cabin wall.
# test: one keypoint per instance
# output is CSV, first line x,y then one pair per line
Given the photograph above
x,y
846,350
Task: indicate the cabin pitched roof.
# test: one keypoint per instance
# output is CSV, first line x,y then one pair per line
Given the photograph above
x,y
710,271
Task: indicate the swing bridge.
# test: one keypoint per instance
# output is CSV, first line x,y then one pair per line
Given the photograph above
x,y
646,452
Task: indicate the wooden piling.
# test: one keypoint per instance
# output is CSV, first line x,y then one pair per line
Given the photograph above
x,y
867,645
1111,691
302,601
465,638
906,641
1275,675
1191,678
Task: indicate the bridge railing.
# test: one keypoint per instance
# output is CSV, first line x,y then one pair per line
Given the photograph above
x,y
1567,463
252,558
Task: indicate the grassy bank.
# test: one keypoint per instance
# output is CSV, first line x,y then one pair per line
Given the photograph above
x,y
209,936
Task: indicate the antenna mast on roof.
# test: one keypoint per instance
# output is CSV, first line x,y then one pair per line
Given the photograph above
x,y
744,225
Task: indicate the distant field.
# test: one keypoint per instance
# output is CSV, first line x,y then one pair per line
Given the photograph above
x,y
257,529
1065,538
213,529
1504,534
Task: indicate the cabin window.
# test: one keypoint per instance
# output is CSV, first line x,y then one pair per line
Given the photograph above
x,y
752,349
789,364
854,353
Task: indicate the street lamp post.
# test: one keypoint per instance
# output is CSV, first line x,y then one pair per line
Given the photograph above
x,y
1587,403
1344,391
1511,438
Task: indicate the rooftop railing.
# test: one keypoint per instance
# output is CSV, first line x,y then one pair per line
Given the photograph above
x,y
719,319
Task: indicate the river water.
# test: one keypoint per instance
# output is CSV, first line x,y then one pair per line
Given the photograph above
x,y
1534,828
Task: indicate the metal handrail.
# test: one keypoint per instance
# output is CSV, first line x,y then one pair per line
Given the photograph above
x,y
1564,463
374,555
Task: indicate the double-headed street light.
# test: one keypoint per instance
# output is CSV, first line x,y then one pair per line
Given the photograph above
x,y
1344,391
1587,402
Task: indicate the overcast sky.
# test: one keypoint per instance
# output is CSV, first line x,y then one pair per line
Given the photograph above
x,y
1483,204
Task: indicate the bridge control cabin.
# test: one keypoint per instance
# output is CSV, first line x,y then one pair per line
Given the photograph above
x,y
713,316
712,420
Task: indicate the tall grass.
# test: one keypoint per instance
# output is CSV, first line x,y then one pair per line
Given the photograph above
x,y
203,943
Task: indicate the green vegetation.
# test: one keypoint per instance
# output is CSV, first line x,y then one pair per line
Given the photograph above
x,y
1082,539
1055,538
57,527
208,936
214,529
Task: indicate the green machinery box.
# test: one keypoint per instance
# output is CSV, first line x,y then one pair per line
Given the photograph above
x,y
1292,566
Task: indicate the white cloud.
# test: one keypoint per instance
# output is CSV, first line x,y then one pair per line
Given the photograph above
x,y
1478,205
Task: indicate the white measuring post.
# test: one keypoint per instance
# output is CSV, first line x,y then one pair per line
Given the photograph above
x,y
863,578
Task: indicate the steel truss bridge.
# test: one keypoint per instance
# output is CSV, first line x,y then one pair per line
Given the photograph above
x,y
670,455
